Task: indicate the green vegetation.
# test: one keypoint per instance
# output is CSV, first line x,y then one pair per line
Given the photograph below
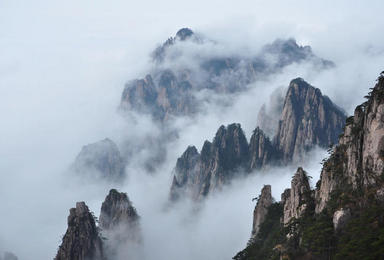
x,y
363,236
269,236
313,237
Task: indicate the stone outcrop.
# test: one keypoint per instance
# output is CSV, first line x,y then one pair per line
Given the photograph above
x,y
118,219
82,240
166,92
358,159
345,211
261,151
264,201
298,198
308,119
187,168
100,160
218,162
340,218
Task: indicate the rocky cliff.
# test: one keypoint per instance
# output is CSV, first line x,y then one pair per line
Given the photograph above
x,y
217,163
100,160
82,240
118,218
298,198
308,119
118,231
358,159
343,218
263,203
169,88
261,151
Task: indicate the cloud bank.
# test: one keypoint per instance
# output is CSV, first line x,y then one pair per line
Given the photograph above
x,y
62,71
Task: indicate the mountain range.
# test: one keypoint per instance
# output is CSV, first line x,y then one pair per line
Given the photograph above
x,y
342,217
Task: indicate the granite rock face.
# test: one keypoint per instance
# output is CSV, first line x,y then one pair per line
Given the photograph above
x,y
345,211
265,200
120,225
118,217
217,163
166,92
358,159
261,151
82,240
100,160
298,198
308,119
186,170
340,218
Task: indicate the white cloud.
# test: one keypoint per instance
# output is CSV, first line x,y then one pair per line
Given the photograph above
x,y
62,70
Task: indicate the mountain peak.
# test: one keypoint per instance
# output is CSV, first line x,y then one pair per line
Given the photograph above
x,y
265,200
82,239
184,33
100,160
308,118
118,218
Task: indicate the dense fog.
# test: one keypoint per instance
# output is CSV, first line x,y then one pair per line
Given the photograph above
x,y
63,67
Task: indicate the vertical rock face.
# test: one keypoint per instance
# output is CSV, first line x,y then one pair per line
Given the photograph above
x,y
340,218
221,159
143,97
82,240
119,222
100,160
308,119
116,210
265,200
187,168
261,150
347,208
297,199
214,166
358,159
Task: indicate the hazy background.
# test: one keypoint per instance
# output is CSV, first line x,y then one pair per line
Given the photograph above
x,y
63,65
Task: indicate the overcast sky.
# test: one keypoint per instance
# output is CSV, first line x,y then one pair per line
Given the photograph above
x,y
63,65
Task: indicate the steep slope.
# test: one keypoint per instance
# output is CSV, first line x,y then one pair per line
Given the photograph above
x,y
120,225
343,218
261,209
298,199
261,151
199,174
358,160
118,217
82,240
308,119
100,160
169,88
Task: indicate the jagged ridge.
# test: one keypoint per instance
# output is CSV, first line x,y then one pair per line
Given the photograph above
x,y
167,92
308,119
343,217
